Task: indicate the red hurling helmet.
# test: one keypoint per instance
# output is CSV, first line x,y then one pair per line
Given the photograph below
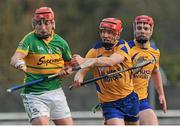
x,y
112,24
43,13
144,19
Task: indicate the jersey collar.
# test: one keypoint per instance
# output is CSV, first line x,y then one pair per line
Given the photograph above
x,y
49,39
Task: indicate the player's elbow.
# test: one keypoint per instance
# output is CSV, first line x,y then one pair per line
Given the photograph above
x,y
12,61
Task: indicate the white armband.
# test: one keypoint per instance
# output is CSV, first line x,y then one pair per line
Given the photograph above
x,y
19,64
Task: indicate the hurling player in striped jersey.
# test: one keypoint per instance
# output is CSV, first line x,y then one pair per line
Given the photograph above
x,y
42,53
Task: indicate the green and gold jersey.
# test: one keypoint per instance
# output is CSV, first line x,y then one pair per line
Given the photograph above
x,y
43,58
119,85
141,79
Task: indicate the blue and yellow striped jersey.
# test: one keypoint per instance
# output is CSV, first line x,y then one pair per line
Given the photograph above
x,y
119,85
141,79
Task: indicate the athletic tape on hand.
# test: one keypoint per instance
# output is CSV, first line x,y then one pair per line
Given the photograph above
x,y
19,64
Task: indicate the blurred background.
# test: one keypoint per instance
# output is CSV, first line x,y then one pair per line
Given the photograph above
x,y
77,22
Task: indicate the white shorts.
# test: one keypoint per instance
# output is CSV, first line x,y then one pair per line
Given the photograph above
x,y
52,104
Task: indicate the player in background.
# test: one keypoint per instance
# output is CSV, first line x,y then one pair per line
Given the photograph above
x,y
142,48
41,53
119,103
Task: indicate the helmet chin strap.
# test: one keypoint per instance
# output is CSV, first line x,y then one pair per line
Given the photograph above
x,y
41,36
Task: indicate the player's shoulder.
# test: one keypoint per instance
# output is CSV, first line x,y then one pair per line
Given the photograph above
x,y
154,49
153,46
97,45
57,37
28,37
121,43
59,40
131,43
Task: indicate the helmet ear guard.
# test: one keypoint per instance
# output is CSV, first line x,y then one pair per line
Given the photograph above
x,y
33,23
53,24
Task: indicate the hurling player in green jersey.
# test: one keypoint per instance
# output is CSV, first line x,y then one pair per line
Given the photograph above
x,y
41,53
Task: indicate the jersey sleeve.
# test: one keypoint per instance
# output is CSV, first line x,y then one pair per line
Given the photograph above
x,y
124,50
66,53
23,46
91,53
157,62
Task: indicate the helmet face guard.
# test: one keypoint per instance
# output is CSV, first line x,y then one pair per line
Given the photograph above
x,y
114,25
145,20
42,16
44,13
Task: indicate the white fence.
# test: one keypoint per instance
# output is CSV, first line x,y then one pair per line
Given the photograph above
x,y
172,117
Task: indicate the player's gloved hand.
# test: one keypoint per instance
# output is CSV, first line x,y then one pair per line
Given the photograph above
x,y
20,65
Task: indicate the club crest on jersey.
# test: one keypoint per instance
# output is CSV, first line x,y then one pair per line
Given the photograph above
x,y
40,48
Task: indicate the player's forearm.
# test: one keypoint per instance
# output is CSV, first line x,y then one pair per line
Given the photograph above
x,y
104,61
156,76
101,61
159,88
109,61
